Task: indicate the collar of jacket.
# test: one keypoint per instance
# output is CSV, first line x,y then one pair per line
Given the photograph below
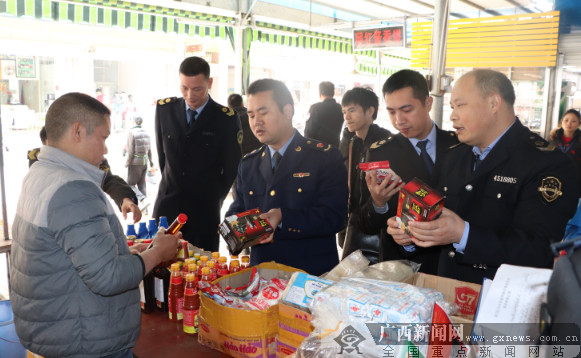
x,y
61,158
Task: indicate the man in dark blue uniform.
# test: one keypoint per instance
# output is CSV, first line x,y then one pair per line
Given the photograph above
x,y
509,194
198,145
408,103
299,184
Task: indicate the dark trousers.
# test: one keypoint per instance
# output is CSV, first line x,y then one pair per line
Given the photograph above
x,y
136,176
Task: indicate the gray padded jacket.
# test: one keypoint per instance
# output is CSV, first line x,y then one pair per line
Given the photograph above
x,y
73,282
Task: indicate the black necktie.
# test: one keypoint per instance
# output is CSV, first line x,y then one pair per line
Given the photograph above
x,y
192,114
425,156
477,160
277,157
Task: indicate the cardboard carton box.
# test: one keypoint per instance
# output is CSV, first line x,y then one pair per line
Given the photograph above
x,y
464,294
418,202
237,332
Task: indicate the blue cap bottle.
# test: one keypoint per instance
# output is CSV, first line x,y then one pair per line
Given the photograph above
x,y
152,228
163,222
142,233
131,230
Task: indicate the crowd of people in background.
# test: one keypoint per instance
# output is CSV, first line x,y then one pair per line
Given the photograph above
x,y
509,193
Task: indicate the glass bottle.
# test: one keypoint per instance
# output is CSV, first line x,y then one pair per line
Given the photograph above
x,y
212,265
176,294
234,266
191,305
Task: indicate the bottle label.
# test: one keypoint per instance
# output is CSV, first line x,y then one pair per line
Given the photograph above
x,y
191,321
176,280
222,272
191,291
180,309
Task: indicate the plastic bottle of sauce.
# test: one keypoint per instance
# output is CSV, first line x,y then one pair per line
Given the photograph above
x,y
234,266
222,269
232,259
176,294
206,275
163,222
143,233
183,253
191,305
212,265
245,262
203,262
215,256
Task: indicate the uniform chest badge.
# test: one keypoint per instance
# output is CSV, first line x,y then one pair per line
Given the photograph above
x,y
320,145
298,149
301,175
550,189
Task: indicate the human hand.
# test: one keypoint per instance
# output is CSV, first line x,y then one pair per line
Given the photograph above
x,y
398,234
129,206
383,192
166,245
138,248
446,229
274,217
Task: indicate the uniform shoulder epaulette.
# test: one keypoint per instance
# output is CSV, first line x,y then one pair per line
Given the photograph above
x,y
318,145
228,111
455,145
163,101
540,143
381,143
254,152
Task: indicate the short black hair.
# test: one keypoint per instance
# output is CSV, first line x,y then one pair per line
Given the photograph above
x,y
138,120
235,100
493,82
280,93
573,111
363,97
43,135
193,66
408,78
326,89
74,107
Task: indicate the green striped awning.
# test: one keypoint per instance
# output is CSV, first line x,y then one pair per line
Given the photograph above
x,y
123,14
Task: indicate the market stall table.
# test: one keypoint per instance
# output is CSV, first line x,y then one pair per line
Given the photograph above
x,y
162,338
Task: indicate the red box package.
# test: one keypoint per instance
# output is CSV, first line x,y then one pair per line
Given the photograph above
x,y
244,230
382,169
418,202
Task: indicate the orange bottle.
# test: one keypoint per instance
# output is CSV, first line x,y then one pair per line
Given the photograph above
x,y
232,259
193,269
183,252
245,262
203,262
212,265
191,305
222,269
175,294
206,275
215,256
234,266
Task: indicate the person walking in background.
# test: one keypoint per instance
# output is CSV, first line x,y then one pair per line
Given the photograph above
x,y
249,141
112,185
299,184
325,118
72,276
568,138
138,155
198,145
360,107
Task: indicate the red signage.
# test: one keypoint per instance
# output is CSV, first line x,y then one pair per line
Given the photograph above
x,y
392,36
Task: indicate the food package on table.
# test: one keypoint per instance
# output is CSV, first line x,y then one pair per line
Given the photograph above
x,y
356,265
350,314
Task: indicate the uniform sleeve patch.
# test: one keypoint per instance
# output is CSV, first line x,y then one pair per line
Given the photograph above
x,y
240,136
550,189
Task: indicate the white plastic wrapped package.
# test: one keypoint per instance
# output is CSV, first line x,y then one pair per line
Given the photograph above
x,y
342,311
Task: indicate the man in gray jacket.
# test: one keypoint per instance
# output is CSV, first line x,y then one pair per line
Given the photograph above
x,y
74,281
138,154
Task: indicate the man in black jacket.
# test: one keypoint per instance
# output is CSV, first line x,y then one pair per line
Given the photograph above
x,y
326,119
360,107
509,194
408,103
198,144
